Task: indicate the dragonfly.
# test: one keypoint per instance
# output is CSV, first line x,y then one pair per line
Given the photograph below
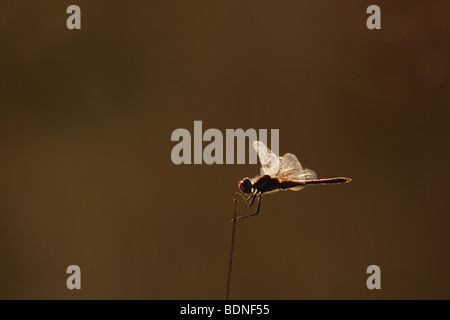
x,y
280,173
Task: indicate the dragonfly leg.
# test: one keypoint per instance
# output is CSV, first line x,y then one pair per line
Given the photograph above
x,y
246,201
253,214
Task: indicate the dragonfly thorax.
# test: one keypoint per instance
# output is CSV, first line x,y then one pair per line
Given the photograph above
x,y
246,185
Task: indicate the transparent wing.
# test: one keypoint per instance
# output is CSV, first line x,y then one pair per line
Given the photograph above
x,y
290,168
308,174
270,162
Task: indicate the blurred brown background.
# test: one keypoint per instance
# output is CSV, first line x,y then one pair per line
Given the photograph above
x,y
86,176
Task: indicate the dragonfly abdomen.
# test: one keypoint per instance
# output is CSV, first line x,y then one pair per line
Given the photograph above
x,y
328,181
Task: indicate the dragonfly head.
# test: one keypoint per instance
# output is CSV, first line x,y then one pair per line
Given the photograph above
x,y
246,185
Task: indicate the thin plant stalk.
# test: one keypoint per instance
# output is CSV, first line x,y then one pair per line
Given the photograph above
x,y
236,200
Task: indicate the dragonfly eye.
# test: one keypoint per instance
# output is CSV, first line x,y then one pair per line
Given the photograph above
x,y
246,185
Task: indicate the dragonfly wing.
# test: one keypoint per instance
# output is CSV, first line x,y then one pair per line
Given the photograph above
x,y
308,174
270,162
290,168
